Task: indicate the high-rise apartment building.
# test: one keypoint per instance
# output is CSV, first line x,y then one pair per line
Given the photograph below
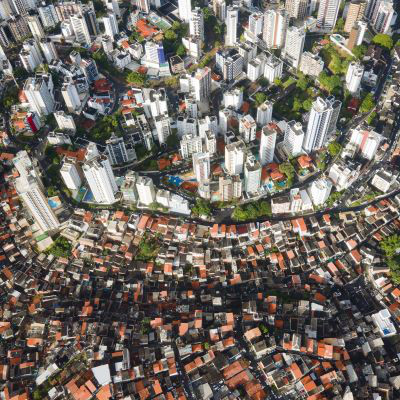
x,y
247,128
219,7
366,142
311,64
357,34
196,23
185,10
320,190
252,175
70,175
30,191
297,8
235,154
354,76
231,22
294,45
276,23
201,83
294,136
113,6
384,16
116,150
49,50
30,55
39,96
48,16
145,190
264,113
321,123
81,30
355,12
35,26
71,96
101,179
201,166
143,6
110,25
256,20
267,144
327,14
190,144
64,121
273,68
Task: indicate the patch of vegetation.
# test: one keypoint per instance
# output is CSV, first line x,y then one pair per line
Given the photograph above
x,y
252,211
136,78
391,247
334,148
148,249
371,118
105,127
383,40
367,104
202,207
333,198
60,248
173,38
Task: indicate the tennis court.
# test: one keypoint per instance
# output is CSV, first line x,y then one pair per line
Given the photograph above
x,y
159,22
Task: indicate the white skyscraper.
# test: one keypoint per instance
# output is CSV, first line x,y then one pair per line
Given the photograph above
x,y
264,113
110,25
49,50
35,26
80,29
190,144
144,6
233,98
201,83
294,136
320,190
196,24
30,191
384,16
297,9
100,179
39,96
252,175
327,14
71,96
163,128
201,166
318,125
273,68
185,10
267,144
30,55
294,45
247,128
219,7
232,20
70,175
64,121
275,26
48,15
256,23
354,75
113,6
366,142
145,189
235,154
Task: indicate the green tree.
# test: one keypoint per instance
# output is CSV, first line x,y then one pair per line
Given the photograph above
x,y
360,51
367,104
339,25
329,83
297,104
302,82
60,248
136,78
278,82
307,104
176,26
260,97
334,148
181,50
170,35
391,247
202,207
287,169
172,140
383,40
371,118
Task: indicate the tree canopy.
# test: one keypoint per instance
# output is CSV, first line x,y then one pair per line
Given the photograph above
x,y
383,40
260,97
391,247
329,83
136,78
252,211
202,207
334,148
368,103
